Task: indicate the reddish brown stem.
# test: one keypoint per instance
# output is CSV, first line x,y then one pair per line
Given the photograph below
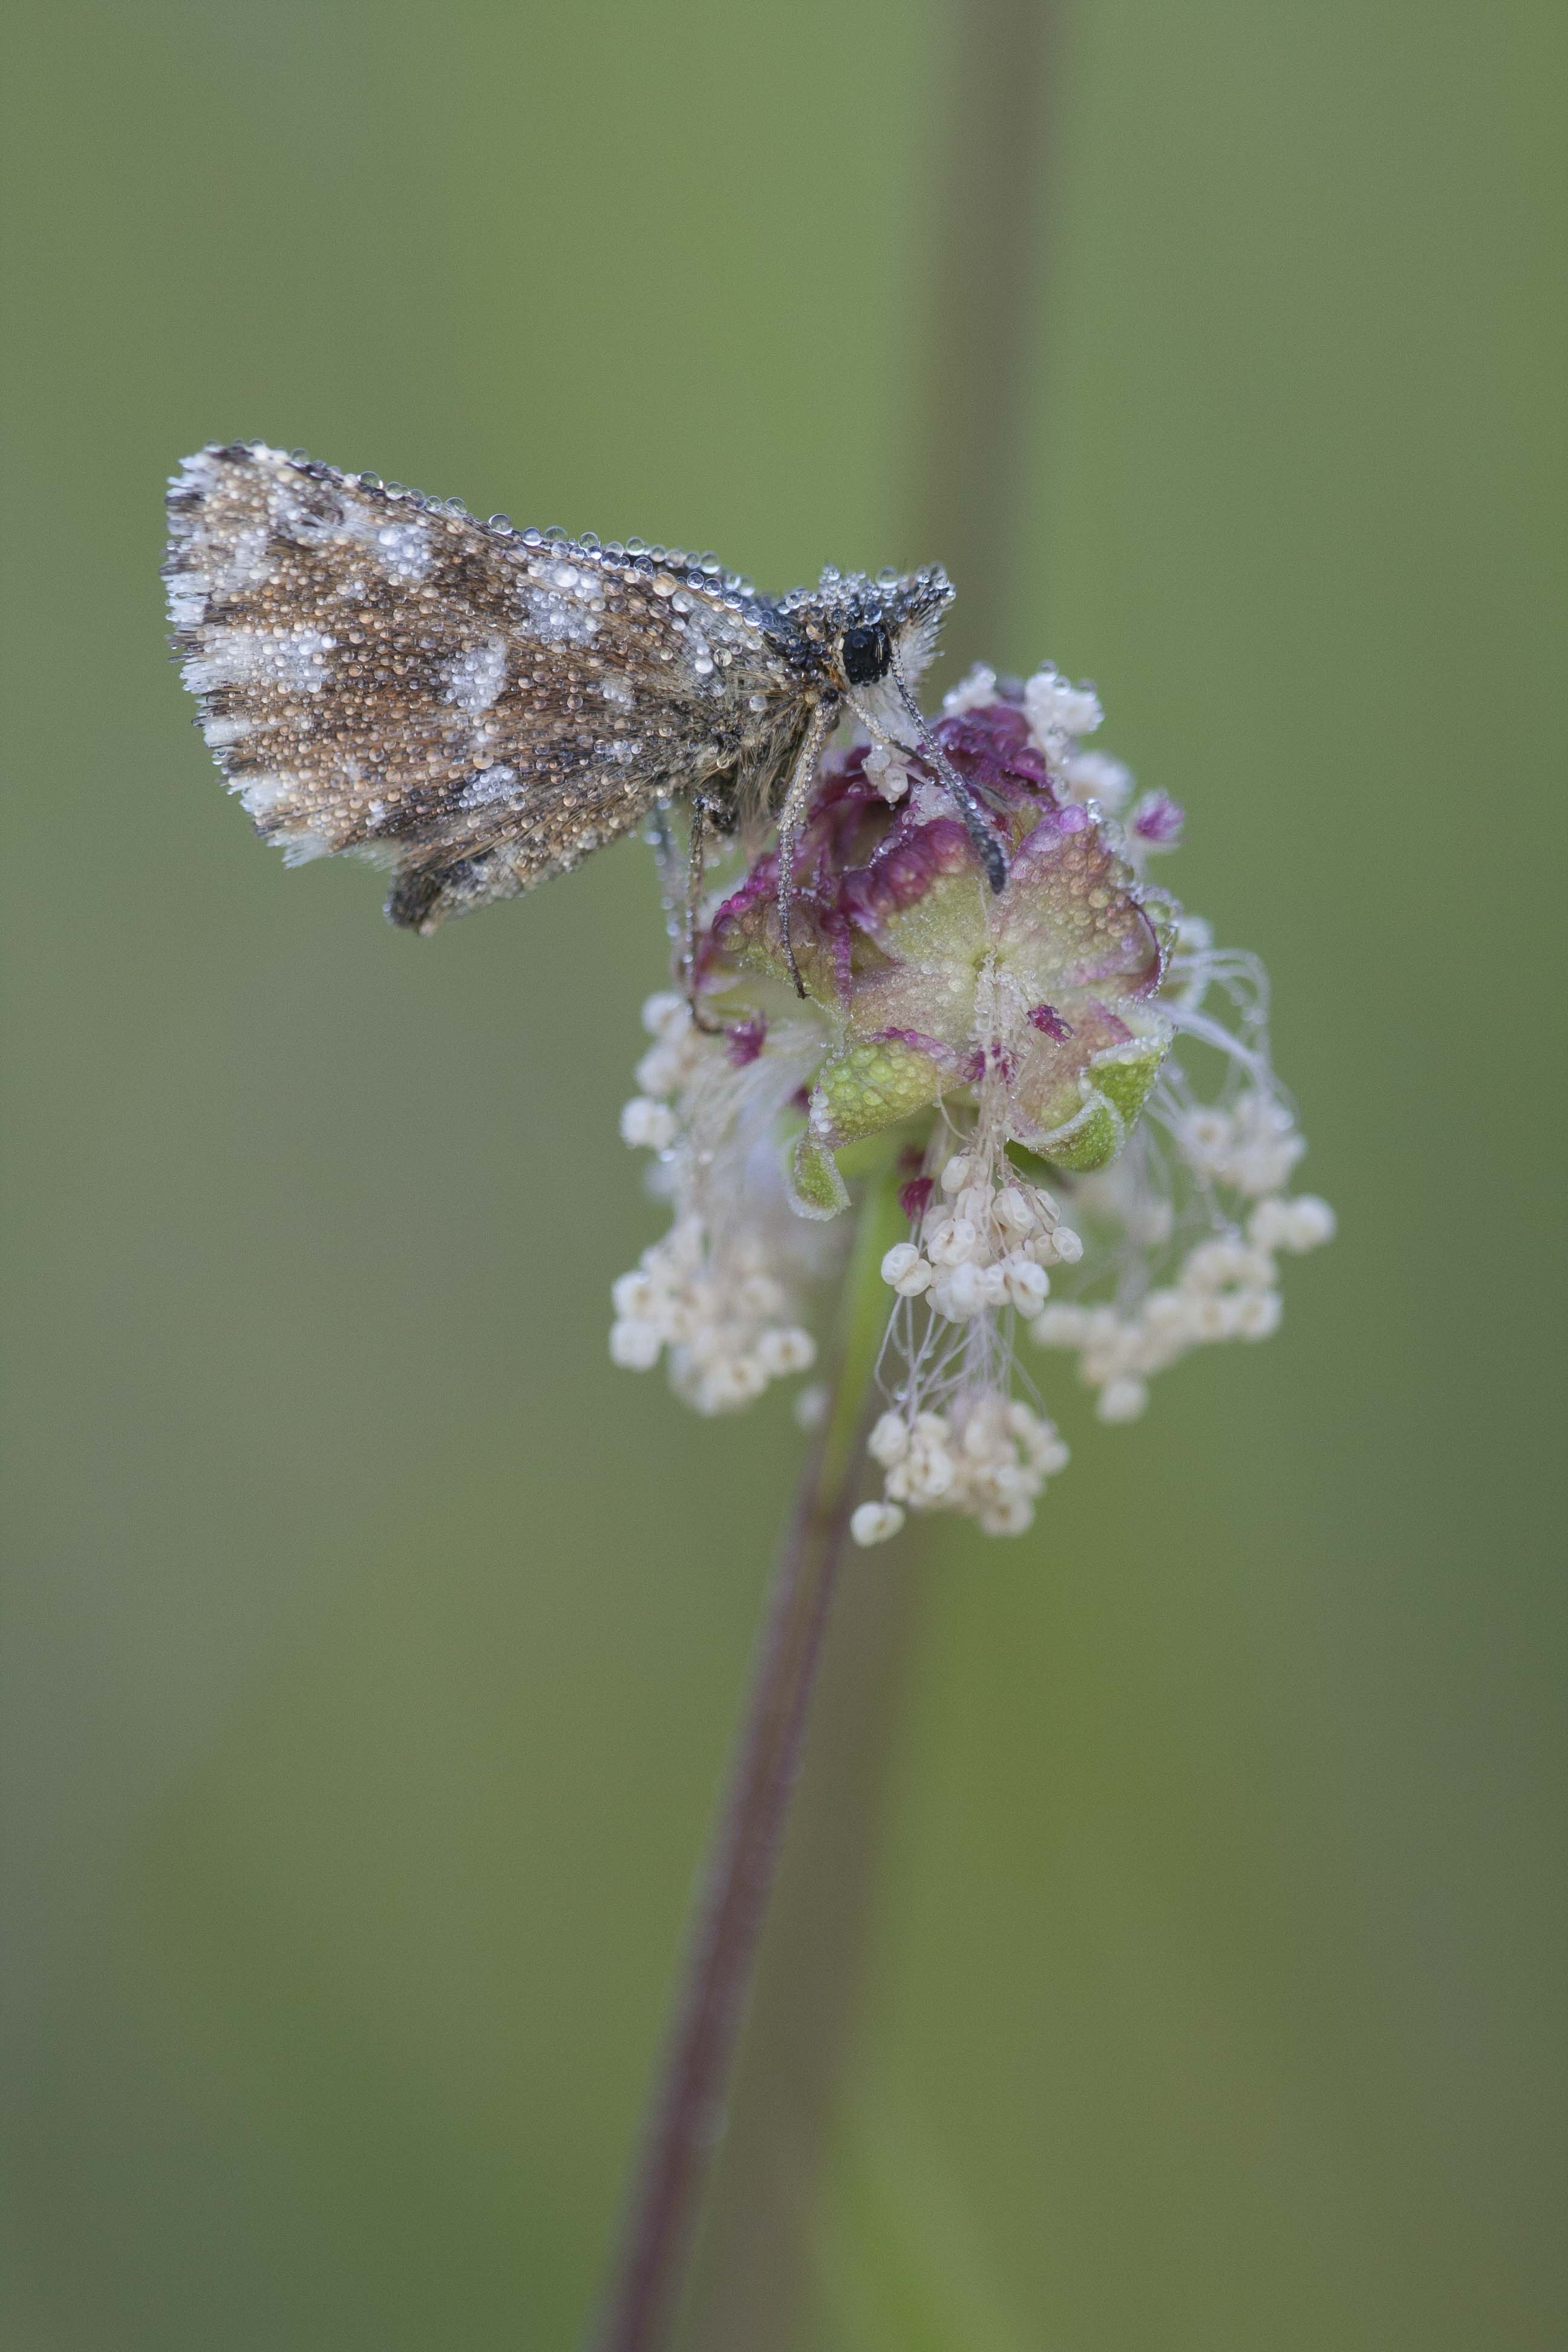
x,y
689,2112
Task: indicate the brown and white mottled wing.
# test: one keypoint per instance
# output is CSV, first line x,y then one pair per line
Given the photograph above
x,y
473,706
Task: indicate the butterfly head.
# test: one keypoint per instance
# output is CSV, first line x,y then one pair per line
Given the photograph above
x,y
876,628
864,633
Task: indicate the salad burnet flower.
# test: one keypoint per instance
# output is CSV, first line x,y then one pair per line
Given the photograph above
x,y
1076,1083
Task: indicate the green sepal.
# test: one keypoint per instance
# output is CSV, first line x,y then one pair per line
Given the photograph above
x,y
816,1189
1126,1074
869,1085
1090,1141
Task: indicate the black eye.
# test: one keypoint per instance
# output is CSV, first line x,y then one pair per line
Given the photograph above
x,y
867,654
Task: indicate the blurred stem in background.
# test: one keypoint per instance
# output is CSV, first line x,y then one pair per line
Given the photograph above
x,y
993,98
992,104
688,2110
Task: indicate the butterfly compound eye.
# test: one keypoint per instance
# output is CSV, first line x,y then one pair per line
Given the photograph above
x,y
866,654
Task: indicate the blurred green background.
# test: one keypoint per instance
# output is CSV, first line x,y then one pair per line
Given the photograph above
x,y
373,1645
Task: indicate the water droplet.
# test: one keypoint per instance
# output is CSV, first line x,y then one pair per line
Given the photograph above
x,y
590,539
553,531
710,563
501,522
613,547
534,539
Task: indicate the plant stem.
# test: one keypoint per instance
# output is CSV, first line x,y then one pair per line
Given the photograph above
x,y
688,2114
985,156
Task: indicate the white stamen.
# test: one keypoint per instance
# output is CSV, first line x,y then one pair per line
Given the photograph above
x,y
873,1523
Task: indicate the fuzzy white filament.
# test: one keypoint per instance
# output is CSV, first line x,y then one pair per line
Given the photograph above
x,y
1173,1244
718,1298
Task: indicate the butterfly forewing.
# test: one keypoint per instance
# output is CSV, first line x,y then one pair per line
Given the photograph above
x,y
474,706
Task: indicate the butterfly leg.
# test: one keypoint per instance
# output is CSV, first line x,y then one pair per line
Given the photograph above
x,y
988,848
661,841
823,721
694,869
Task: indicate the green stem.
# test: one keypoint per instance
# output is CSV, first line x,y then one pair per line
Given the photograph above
x,y
688,2110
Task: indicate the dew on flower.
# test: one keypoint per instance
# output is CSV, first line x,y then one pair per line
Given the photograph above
x,y
1068,1085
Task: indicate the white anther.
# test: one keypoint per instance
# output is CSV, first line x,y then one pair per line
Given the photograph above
x,y
1207,1133
1008,1517
760,1295
1013,1211
1028,1285
1258,1314
979,1439
1095,775
959,1293
955,1175
665,1011
972,692
900,1262
732,1380
889,1439
887,772
661,1069
1213,1315
1121,1399
648,1125
873,1523
1067,1245
1311,1222
1271,1223
1047,1452
635,1345
634,1294
1060,1325
789,1350
923,1476
951,1240
1212,1265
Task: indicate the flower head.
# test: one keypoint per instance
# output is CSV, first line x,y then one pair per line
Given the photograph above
x,y
1063,1172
